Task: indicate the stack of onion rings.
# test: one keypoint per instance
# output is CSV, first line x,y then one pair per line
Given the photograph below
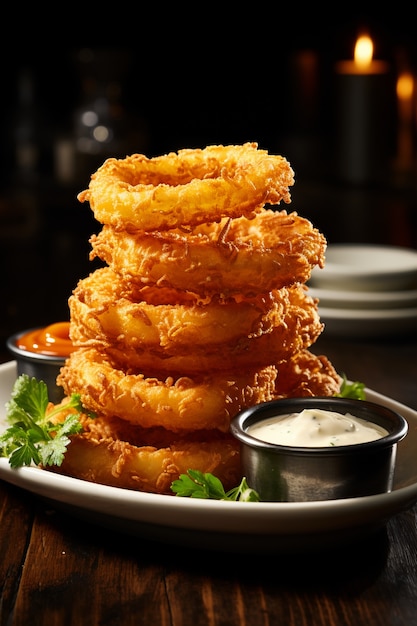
x,y
201,311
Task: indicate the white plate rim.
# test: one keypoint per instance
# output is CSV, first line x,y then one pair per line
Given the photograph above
x,y
368,323
366,299
393,315
229,525
406,260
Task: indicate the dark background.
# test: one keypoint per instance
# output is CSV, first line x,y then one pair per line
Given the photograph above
x,y
181,79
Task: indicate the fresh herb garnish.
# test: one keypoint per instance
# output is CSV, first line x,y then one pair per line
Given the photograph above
x,y
351,390
34,437
195,484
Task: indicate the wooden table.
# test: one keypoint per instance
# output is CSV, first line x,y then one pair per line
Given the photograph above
x,y
58,570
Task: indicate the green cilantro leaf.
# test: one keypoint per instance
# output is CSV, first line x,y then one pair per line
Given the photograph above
x,y
196,484
351,390
29,400
32,437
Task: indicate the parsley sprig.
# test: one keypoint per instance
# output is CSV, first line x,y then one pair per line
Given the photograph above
x,y
33,436
351,390
196,484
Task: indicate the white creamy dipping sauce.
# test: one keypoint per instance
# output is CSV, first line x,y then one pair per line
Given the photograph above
x,y
316,428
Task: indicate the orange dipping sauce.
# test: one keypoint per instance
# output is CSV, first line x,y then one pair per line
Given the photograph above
x,y
53,340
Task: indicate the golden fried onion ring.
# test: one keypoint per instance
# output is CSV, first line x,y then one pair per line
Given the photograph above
x,y
112,452
120,329
242,256
211,335
101,311
188,187
207,402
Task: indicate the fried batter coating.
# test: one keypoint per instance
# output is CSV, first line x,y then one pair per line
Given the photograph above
x,y
306,374
113,452
188,187
101,310
238,256
183,404
189,338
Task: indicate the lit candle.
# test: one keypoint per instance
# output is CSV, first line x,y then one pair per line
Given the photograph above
x,y
363,62
362,115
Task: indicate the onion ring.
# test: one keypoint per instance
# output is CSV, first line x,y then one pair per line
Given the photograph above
x,y
188,187
239,256
187,337
113,452
99,306
177,405
130,340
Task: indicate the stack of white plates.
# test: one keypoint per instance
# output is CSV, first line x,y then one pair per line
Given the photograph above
x,y
367,290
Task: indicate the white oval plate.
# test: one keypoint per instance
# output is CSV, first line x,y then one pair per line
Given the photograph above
x,y
334,298
367,267
366,323
262,527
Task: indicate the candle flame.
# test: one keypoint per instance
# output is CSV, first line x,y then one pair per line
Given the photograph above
x,y
364,49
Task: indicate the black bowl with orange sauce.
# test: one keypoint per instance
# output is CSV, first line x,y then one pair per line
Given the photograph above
x,y
41,352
